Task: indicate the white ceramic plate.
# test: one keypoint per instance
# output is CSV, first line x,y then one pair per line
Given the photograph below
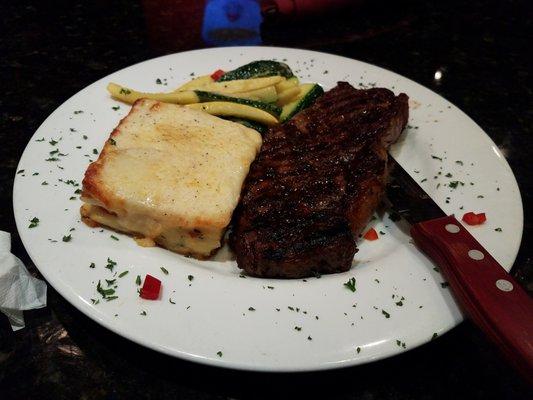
x,y
295,325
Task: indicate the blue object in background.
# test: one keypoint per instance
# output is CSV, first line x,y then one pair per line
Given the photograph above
x,y
232,23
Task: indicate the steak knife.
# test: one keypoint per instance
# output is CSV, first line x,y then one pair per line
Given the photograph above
x,y
486,293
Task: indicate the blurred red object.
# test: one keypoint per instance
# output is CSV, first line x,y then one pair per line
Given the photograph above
x,y
174,25
296,8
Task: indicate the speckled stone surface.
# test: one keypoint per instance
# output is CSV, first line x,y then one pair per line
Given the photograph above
x,y
51,50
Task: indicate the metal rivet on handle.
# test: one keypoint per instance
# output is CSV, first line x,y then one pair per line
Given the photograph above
x,y
504,285
452,228
476,255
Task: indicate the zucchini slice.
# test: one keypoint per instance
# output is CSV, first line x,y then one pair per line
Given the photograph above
x,y
242,85
258,69
288,95
129,96
208,96
289,83
266,95
309,92
249,124
195,83
228,109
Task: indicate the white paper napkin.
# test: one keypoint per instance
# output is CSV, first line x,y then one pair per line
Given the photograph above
x,y
18,289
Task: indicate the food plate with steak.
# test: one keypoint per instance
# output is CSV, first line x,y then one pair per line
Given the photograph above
x,y
385,300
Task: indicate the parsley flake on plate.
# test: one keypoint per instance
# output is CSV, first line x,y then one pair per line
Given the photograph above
x,y
350,284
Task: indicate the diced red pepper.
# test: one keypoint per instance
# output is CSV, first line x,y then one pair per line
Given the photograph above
x,y
371,234
474,219
217,74
151,288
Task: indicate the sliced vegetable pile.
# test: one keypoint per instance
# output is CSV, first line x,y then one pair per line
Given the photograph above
x,y
258,95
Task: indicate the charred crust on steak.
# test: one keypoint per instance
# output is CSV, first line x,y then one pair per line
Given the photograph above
x,y
315,184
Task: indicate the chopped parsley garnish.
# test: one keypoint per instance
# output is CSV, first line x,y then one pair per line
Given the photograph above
x,y
124,91
122,274
435,335
358,350
104,292
298,328
67,238
78,112
423,180
455,184
20,171
53,142
95,301
95,151
33,222
401,344
448,175
116,108
110,264
92,265
84,137
138,280
399,303
350,284
480,196
110,281
498,229
158,81
52,159
112,142
69,182
436,158
165,271
190,278
111,298
114,237
171,301
444,285
40,140
143,313
385,313
219,353
251,309
309,338
459,162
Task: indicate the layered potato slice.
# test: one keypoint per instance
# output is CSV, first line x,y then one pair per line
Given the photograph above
x,y
170,175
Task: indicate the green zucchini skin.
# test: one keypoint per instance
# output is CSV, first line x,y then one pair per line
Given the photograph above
x,y
258,69
305,99
250,124
205,97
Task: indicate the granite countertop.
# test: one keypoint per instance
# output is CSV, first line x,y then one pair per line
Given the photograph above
x,y
52,50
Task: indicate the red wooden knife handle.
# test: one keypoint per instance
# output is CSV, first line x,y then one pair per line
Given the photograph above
x,y
484,290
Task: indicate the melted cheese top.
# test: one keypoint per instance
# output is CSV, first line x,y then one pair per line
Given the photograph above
x,y
173,167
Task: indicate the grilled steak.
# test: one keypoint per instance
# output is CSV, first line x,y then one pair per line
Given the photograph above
x,y
315,184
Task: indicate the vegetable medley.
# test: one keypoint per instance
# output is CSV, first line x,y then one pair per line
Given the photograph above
x,y
258,95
